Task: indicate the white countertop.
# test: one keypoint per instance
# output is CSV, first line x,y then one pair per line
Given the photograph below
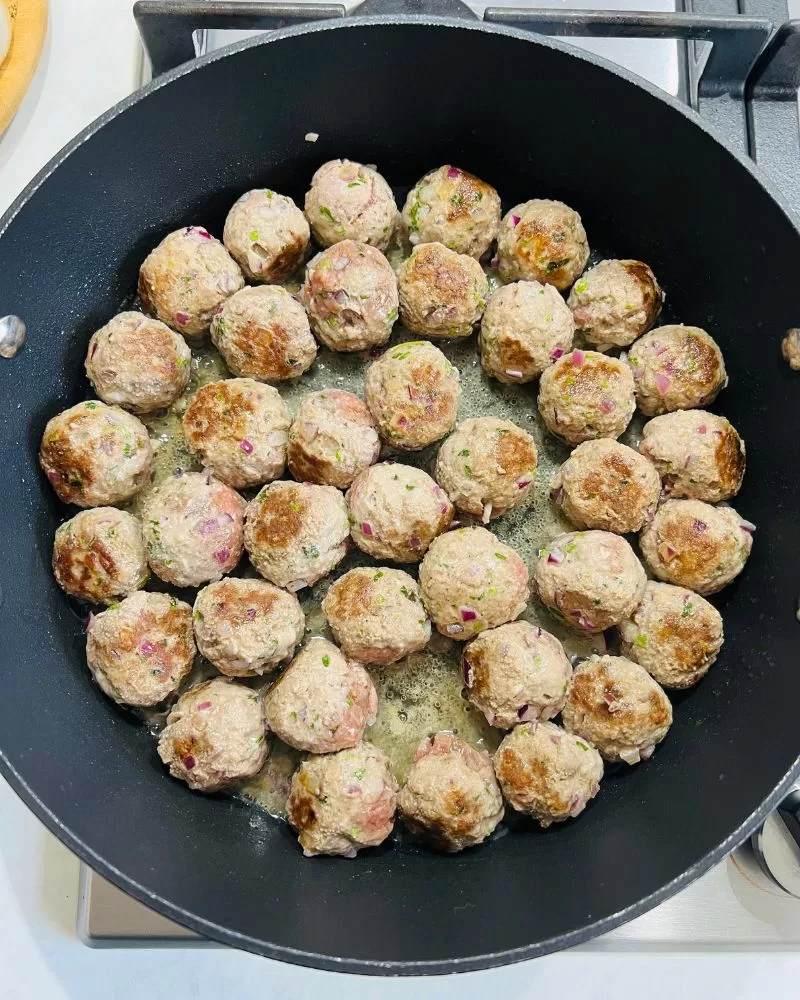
x,y
40,954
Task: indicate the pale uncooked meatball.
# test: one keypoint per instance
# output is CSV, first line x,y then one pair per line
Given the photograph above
x,y
377,615
676,368
616,705
516,673
96,455
266,234
239,428
412,391
140,650
471,581
193,527
542,240
615,302
453,207
332,438
790,349
547,773
607,485
321,702
451,797
587,395
296,533
185,280
348,201
694,545
698,454
246,627
442,293
215,735
263,333
350,295
396,511
525,328
138,363
487,466
590,580
99,556
674,634
343,802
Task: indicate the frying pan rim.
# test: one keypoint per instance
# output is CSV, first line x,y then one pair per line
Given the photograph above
x,y
207,928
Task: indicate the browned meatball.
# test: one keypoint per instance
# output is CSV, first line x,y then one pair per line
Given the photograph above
x,y
267,235
676,368
333,437
442,293
615,302
542,240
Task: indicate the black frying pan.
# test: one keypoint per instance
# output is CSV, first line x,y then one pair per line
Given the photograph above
x,y
536,119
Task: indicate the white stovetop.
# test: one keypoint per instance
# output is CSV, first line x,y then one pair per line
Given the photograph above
x,y
40,954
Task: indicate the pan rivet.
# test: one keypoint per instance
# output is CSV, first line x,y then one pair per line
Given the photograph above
x,y
12,335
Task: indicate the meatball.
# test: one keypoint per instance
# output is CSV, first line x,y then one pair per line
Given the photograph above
x,y
266,234
676,368
693,545
140,650
343,801
542,240
698,454
590,580
247,627
615,302
451,797
412,391
442,293
321,702
790,349
586,395
333,437
96,455
516,673
471,581
215,735
547,773
296,533
453,207
239,428
350,295
98,555
348,201
674,634
396,511
263,333
376,615
193,527
487,466
617,706
185,280
607,485
138,362
525,328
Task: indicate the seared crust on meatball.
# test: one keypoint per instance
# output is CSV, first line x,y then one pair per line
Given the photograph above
x,y
674,634
607,485
348,201
266,234
377,615
615,302
586,395
96,455
676,368
616,705
343,801
547,773
140,650
450,797
790,348
296,533
332,438
694,545
239,429
99,556
442,293
138,363
542,240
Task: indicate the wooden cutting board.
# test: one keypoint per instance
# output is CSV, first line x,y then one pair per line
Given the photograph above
x,y
29,25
